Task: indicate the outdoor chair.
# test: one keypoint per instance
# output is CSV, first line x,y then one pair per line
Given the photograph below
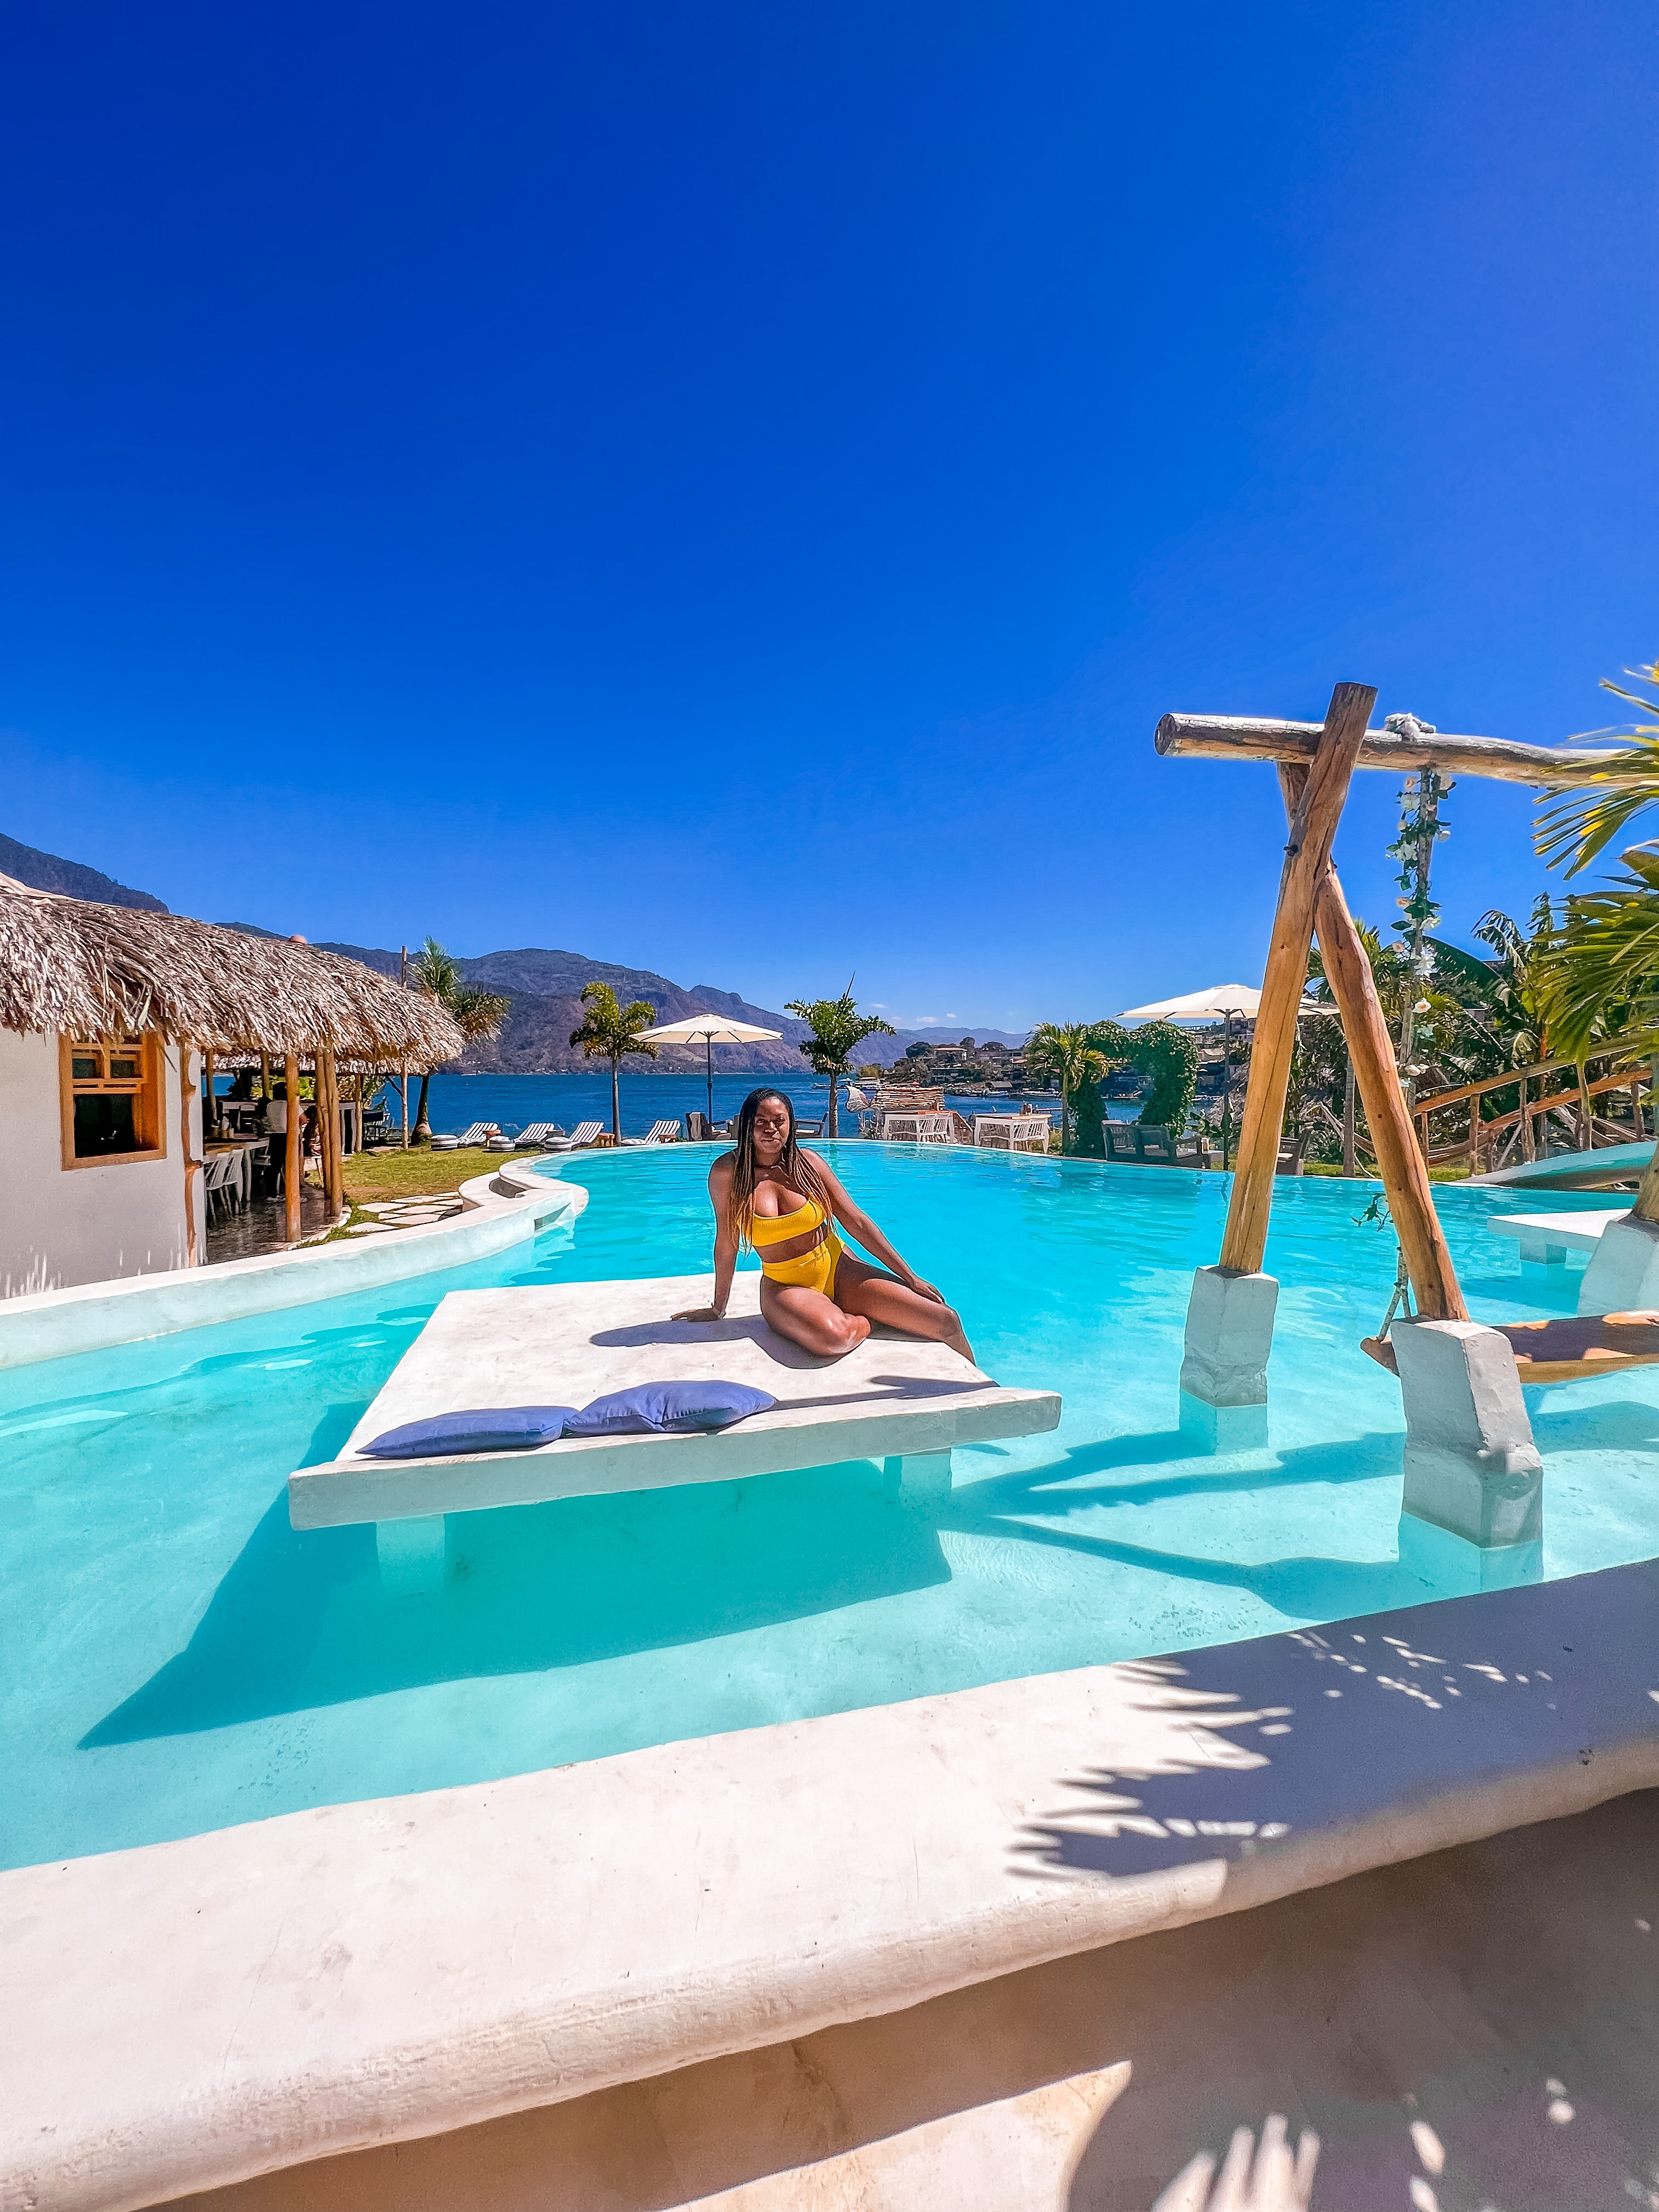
x,y
1157,1144
663,1133
222,1182
1290,1156
698,1128
1122,1141
479,1134
806,1128
583,1134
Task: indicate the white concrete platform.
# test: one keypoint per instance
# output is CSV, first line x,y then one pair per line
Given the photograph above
x,y
894,1396
1547,1238
184,2015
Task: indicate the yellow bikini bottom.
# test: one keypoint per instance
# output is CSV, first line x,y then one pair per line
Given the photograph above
x,y
815,1269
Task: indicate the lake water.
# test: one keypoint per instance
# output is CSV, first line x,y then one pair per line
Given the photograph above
x,y
514,1101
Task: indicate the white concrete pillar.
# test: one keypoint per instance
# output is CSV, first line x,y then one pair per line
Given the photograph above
x,y
1230,1333
411,1555
923,1475
1623,1274
1471,1464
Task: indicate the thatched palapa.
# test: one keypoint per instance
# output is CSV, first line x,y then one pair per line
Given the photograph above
x,y
91,970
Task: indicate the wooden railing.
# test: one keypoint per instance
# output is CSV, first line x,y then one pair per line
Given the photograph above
x,y
1576,1096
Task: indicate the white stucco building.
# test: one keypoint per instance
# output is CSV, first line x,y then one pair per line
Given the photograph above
x,y
111,1208
106,1016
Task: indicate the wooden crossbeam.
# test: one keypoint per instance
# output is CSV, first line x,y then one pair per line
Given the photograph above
x,y
1239,736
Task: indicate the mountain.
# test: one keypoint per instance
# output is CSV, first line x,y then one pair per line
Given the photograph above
x,y
544,986
46,871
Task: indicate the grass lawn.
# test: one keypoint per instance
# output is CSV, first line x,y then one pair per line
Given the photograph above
x,y
375,1175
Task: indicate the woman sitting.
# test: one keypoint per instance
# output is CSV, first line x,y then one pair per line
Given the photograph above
x,y
769,1193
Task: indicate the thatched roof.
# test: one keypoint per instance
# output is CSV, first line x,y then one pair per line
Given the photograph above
x,y
66,963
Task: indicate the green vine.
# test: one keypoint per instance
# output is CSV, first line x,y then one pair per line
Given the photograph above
x,y
1159,1049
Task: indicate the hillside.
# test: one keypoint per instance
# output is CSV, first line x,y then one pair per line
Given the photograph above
x,y
46,871
544,985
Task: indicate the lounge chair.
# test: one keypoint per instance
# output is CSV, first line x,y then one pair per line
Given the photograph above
x,y
583,1134
539,1133
805,1128
660,1133
479,1134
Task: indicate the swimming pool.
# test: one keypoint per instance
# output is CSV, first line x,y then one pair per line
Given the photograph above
x,y
176,1658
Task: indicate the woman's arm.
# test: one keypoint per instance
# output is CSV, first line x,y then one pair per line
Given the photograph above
x,y
859,1227
725,1247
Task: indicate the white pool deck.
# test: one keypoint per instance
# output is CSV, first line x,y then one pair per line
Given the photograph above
x,y
498,1211
1547,1238
894,1397
191,2014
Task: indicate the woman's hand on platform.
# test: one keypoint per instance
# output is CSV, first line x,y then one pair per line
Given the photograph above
x,y
700,1313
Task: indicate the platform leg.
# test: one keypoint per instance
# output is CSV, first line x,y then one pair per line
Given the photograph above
x,y
1230,1335
1536,1251
923,1474
411,1555
1471,1464
1623,1274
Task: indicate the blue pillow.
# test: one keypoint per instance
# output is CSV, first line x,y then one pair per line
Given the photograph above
x,y
669,1408
505,1428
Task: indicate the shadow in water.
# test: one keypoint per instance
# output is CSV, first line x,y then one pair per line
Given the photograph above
x,y
301,1620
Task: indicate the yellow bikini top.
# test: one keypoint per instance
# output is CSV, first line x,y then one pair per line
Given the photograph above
x,y
774,1228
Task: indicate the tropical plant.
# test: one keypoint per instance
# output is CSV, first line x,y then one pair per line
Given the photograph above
x,y
1508,1001
1071,1051
1601,969
837,1029
610,1032
1574,825
478,1013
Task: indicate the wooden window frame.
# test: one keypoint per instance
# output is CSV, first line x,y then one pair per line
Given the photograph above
x,y
149,1091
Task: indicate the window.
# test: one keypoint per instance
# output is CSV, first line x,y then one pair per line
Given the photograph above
x,y
112,1100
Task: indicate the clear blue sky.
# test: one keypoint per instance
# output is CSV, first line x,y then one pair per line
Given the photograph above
x,y
733,489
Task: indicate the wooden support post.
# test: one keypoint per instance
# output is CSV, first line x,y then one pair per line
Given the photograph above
x,y
1313,825
1403,1171
293,1166
1529,1140
1586,1111
186,1092
328,1109
1350,1133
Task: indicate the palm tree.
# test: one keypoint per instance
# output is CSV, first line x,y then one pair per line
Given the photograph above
x,y
476,1012
1071,1051
1576,826
610,1031
838,1029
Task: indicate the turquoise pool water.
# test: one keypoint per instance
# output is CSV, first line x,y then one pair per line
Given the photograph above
x,y
176,1658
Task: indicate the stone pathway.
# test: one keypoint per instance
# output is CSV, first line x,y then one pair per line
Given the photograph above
x,y
406,1213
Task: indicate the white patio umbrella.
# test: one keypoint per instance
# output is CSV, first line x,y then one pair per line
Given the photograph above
x,y
708,1030
1221,1002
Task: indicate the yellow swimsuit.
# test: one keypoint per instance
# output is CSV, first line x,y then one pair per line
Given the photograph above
x,y
816,1268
